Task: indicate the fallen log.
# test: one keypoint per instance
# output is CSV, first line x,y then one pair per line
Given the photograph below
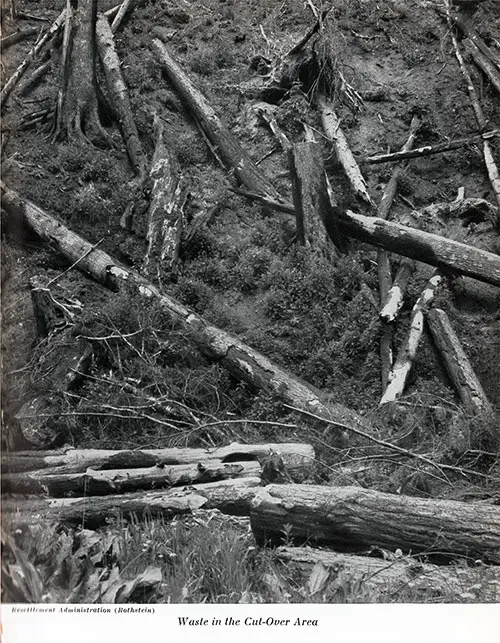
x,y
316,226
383,259
267,116
119,481
468,31
165,216
426,247
427,150
394,298
125,6
408,349
298,458
383,580
241,360
345,157
484,64
230,150
351,518
228,496
118,93
17,36
457,364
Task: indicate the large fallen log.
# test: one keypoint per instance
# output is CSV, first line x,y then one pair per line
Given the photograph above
x,y
241,360
457,364
119,481
383,580
408,349
351,518
316,226
298,458
229,496
409,242
230,150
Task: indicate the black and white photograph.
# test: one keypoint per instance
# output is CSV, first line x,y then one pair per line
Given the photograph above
x,y
250,308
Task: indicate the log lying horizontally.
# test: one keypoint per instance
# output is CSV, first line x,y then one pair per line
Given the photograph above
x,y
231,152
409,242
382,580
229,496
241,360
459,368
351,518
298,458
118,481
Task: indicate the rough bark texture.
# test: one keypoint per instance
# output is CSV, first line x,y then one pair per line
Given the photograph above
x,y
459,368
165,209
298,459
227,146
118,481
316,226
408,349
352,518
229,496
331,125
383,580
118,93
241,360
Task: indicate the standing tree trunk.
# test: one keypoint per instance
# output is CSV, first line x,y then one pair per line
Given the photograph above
x,y
80,117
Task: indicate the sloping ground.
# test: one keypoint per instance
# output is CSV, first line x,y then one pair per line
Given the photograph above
x,y
241,270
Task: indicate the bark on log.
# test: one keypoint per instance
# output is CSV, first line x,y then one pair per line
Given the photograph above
x,y
119,481
459,368
233,155
241,360
17,36
334,133
395,295
118,93
229,496
316,226
298,459
383,580
125,6
32,55
352,518
484,64
408,350
165,217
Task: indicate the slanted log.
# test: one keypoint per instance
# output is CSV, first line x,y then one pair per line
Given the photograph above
x,y
457,364
316,226
298,459
165,217
384,580
345,157
408,349
395,295
240,359
118,93
17,36
491,72
229,496
351,518
118,481
230,150
266,115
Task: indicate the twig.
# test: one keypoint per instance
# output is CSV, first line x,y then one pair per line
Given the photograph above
x,y
75,263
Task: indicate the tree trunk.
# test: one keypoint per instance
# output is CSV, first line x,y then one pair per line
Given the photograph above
x,y
383,581
316,226
410,242
395,295
229,496
297,458
334,133
118,94
227,146
80,117
165,210
459,368
241,360
119,481
351,518
408,350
